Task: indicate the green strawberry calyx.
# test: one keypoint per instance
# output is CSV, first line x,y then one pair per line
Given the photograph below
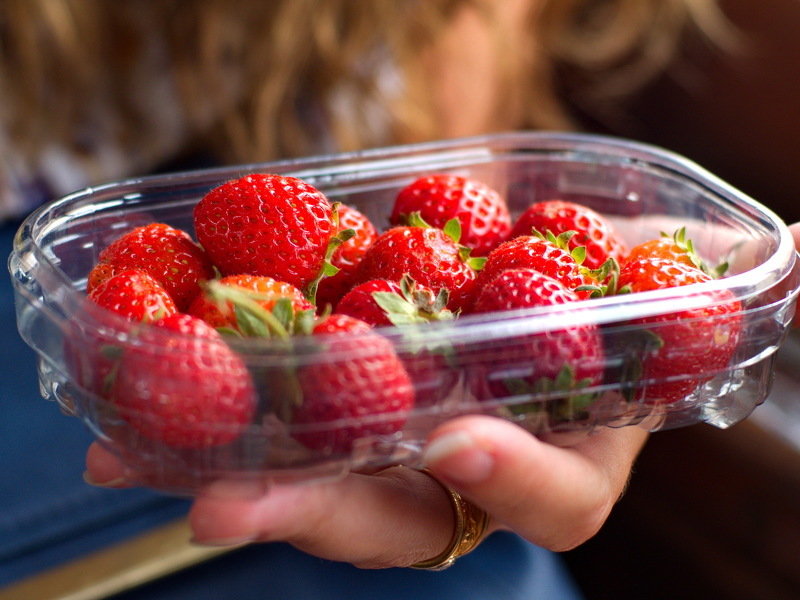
x,y
570,395
414,304
685,244
253,320
578,253
607,278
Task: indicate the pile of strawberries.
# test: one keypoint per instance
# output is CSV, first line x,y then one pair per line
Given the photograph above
x,y
274,258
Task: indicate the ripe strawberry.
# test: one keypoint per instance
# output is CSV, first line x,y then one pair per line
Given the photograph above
x,y
269,225
593,231
522,288
91,352
220,304
134,294
383,302
347,256
675,247
166,253
428,361
688,347
432,257
567,359
547,256
361,390
180,384
481,211
360,303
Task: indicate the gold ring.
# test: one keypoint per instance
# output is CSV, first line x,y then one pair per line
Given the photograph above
x,y
471,524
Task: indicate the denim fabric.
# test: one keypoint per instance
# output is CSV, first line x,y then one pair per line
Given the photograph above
x,y
48,515
503,568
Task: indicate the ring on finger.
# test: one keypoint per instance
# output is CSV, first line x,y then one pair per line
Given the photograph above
x,y
471,525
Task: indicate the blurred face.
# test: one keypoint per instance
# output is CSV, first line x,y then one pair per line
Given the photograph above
x,y
467,67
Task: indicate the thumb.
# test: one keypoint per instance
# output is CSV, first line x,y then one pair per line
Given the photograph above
x,y
795,230
555,497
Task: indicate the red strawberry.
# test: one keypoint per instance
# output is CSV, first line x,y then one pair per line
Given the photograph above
x,y
522,288
134,294
561,359
432,257
179,383
92,351
382,302
480,210
361,390
675,247
360,303
547,256
688,347
593,231
269,225
166,253
347,256
217,306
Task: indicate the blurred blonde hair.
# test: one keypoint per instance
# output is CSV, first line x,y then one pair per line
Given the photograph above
x,y
260,80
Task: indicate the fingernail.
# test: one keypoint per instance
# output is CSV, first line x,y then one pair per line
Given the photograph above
x,y
241,489
457,457
224,542
111,483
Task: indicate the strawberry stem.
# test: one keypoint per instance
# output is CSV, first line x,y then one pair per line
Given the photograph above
x,y
328,269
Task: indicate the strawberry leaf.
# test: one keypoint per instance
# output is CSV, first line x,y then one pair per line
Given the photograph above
x,y
415,220
253,320
399,310
476,262
607,276
578,254
249,323
686,245
413,305
452,229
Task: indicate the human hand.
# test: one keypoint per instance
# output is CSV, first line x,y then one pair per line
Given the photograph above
x,y
555,497
795,229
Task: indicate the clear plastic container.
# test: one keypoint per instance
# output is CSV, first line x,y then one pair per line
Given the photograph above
x,y
643,189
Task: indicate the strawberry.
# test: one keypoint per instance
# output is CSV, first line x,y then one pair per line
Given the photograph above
x,y
522,288
592,230
180,384
548,256
91,353
481,211
362,390
269,225
360,302
567,359
347,256
220,304
166,253
675,247
383,302
685,348
430,256
134,294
